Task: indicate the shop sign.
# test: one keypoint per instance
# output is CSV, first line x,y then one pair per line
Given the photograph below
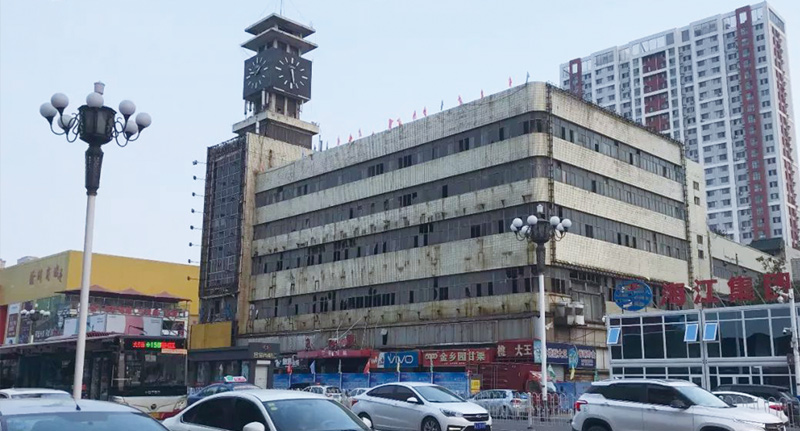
x,y
36,276
458,357
631,295
113,309
263,350
409,359
571,355
510,349
13,320
151,344
742,290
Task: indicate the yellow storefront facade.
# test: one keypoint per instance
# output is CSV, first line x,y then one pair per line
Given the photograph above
x,y
120,281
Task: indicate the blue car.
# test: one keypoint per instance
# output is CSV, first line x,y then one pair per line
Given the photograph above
x,y
218,388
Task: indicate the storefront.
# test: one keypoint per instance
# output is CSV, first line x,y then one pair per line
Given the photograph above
x,y
710,347
255,362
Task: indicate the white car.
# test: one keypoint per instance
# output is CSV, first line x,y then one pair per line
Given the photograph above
x,y
663,405
743,400
329,391
356,392
419,406
64,414
22,393
266,409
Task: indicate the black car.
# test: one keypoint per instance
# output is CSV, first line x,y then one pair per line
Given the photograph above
x,y
771,393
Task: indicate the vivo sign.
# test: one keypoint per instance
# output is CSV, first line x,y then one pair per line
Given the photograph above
x,y
408,359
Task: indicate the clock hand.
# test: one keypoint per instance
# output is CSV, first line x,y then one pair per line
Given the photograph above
x,y
292,75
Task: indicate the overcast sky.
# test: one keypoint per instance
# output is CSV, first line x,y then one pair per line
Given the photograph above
x,y
181,62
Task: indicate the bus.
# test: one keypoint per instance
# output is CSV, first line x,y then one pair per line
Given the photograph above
x,y
147,373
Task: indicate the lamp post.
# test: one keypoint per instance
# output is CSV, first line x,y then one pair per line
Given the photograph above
x,y
539,230
34,316
96,125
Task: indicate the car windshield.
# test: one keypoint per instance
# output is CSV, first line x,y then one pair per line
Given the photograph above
x,y
81,421
40,395
701,397
312,415
438,394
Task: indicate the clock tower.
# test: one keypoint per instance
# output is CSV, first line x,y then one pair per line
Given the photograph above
x,y
277,81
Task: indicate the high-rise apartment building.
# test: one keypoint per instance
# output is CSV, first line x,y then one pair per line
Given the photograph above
x,y
721,85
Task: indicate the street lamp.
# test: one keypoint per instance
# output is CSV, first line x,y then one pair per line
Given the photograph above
x,y
34,316
96,125
539,229
782,296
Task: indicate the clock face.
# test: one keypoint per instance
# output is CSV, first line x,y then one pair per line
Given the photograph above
x,y
255,76
277,70
291,74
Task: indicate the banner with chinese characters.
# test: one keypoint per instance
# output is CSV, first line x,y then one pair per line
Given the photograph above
x,y
513,350
571,355
457,357
742,290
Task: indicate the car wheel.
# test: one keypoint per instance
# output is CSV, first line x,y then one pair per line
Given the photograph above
x,y
430,424
597,428
366,416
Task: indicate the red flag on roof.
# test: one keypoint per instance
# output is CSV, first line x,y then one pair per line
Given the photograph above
x,y
390,123
399,123
414,117
350,139
338,141
359,133
425,111
481,94
509,82
459,100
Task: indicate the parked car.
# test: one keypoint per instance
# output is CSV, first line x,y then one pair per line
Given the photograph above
x,y
329,391
503,403
218,388
662,405
65,414
266,409
740,399
770,393
22,393
357,391
419,406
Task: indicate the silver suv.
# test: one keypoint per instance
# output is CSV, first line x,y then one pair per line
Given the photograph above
x,y
663,405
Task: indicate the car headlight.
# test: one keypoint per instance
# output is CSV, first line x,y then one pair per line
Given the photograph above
x,y
760,425
181,404
451,414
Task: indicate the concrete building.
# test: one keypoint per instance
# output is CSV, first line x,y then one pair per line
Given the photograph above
x,y
399,242
722,86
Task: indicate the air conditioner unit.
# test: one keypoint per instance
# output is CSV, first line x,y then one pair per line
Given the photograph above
x,y
580,319
571,314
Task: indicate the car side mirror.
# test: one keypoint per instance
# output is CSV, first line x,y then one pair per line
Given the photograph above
x,y
367,422
678,404
413,400
254,426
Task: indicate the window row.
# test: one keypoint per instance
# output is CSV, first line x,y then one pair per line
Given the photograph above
x,y
457,229
467,140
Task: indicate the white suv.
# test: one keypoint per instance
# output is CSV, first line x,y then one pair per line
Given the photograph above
x,y
663,405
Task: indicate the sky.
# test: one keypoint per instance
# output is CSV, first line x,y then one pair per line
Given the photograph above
x,y
181,62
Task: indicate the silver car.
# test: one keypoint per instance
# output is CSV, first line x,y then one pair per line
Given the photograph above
x,y
331,392
503,403
419,406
